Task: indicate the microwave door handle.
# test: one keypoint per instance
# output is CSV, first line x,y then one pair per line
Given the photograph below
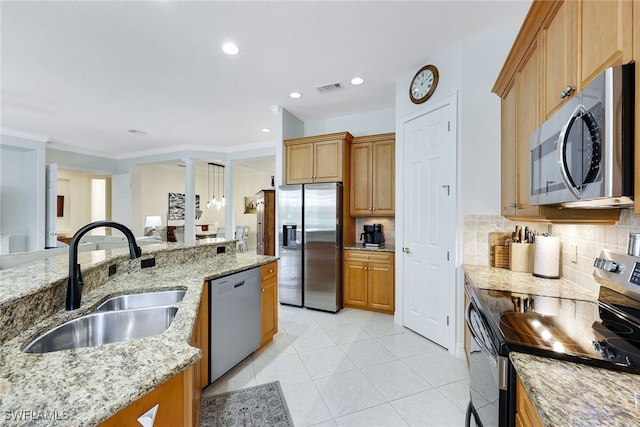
x,y
562,152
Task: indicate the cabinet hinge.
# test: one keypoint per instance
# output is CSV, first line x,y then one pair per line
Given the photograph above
x,y
447,255
448,126
447,320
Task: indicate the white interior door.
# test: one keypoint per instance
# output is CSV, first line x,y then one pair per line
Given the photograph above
x,y
51,209
429,224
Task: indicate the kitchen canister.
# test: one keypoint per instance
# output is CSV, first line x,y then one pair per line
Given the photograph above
x,y
546,259
634,244
521,257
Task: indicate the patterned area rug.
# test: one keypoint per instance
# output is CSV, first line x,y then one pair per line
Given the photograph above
x,y
262,405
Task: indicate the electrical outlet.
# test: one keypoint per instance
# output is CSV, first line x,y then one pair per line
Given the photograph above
x,y
112,269
573,252
146,263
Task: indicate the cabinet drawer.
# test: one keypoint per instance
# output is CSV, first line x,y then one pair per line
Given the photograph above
x,y
269,270
370,256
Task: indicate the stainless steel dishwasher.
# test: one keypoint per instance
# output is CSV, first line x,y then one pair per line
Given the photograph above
x,y
234,320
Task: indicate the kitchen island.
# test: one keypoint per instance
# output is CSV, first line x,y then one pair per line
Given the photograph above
x,y
563,392
85,386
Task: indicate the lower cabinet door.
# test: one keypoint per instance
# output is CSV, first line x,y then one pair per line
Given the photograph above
x,y
381,289
355,284
269,309
167,405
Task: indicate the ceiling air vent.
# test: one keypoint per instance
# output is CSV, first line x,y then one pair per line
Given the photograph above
x,y
331,87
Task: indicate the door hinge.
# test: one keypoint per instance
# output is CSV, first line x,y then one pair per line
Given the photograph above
x,y
447,255
447,320
448,126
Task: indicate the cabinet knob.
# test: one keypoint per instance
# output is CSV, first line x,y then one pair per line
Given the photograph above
x,y
513,205
406,250
567,91
271,270
261,289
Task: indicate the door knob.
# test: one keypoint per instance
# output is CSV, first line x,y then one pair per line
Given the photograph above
x,y
406,250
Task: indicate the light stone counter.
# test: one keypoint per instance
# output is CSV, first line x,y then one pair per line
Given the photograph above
x,y
387,247
571,394
502,279
565,393
85,386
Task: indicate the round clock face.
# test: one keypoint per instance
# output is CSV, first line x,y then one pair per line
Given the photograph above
x,y
423,84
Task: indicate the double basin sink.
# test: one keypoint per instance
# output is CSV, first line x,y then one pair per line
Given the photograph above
x,y
121,318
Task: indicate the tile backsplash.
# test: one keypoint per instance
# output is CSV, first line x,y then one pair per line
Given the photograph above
x,y
589,239
388,228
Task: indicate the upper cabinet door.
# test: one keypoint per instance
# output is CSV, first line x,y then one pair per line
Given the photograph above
x,y
299,163
384,172
361,183
559,51
328,161
528,120
606,32
508,159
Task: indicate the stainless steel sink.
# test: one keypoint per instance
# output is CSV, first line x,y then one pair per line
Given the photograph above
x,y
104,328
149,299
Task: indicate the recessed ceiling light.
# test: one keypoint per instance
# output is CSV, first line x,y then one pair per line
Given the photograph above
x,y
230,48
266,130
295,95
357,81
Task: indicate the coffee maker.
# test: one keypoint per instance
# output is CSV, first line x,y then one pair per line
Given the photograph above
x,y
372,235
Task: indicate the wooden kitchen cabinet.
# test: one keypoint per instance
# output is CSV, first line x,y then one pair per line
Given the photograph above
x,y
269,304
526,413
373,175
558,39
606,30
175,404
266,218
368,281
322,158
636,57
508,183
552,50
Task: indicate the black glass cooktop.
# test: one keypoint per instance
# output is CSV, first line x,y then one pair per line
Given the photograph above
x,y
605,333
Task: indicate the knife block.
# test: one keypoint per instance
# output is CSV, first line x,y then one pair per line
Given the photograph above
x,y
521,257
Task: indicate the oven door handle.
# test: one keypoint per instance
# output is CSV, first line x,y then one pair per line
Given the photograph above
x,y
474,334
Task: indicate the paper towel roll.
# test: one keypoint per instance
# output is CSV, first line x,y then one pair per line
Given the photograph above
x,y
546,258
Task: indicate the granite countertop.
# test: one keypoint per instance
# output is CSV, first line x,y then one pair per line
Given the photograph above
x,y
87,385
387,247
571,394
502,279
565,393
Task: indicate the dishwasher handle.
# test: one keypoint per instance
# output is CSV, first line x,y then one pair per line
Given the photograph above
x,y
224,287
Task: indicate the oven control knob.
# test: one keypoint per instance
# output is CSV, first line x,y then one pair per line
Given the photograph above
x,y
598,263
610,266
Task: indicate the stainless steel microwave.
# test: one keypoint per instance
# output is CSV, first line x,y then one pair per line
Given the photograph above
x,y
583,155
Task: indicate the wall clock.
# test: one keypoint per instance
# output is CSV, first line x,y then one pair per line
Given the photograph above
x,y
423,84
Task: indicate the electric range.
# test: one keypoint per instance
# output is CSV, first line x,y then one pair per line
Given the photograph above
x,y
604,333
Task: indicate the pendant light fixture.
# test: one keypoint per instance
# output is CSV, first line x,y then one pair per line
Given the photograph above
x,y
214,172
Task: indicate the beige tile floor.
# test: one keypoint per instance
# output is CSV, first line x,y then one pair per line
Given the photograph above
x,y
356,368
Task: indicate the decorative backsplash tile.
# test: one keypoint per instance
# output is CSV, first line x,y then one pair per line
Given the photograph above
x,y
589,239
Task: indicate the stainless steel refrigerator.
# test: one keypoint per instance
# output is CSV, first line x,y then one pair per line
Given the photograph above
x,y
310,236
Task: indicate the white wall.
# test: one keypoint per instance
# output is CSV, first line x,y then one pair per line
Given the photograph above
x,y
22,193
368,123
